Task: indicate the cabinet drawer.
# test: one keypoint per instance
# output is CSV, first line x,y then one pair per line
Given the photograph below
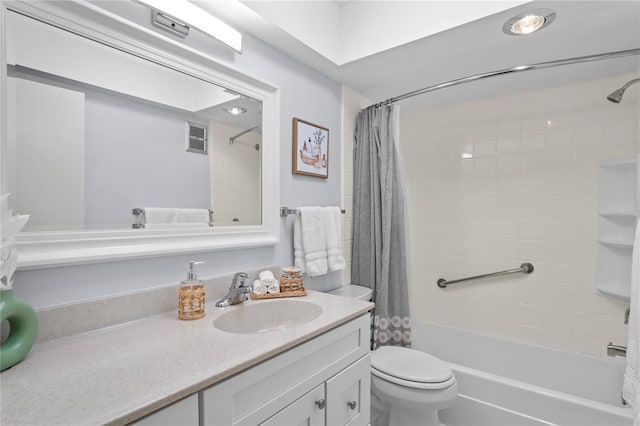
x,y
308,410
348,399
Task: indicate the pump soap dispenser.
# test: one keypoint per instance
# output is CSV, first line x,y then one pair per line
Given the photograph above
x,y
191,295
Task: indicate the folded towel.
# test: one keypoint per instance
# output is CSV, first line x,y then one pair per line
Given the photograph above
x,y
631,380
298,250
159,215
173,215
175,225
333,233
314,241
258,287
192,215
274,287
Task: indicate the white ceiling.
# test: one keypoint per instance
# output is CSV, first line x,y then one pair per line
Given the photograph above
x,y
383,49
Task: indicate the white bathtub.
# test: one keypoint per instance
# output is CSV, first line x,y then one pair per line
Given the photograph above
x,y
503,382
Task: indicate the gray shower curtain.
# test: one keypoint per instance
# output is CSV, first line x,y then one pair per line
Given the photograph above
x,y
379,257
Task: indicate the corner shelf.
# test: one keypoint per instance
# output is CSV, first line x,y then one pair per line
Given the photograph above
x,y
618,211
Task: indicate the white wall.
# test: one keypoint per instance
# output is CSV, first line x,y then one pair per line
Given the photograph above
x,y
528,192
48,137
352,103
306,94
135,157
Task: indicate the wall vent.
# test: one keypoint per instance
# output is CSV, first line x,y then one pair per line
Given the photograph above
x,y
197,138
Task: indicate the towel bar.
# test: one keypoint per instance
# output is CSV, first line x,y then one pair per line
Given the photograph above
x,y
525,268
286,211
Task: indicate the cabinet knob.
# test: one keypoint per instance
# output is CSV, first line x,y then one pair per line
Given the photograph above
x,y
352,405
321,403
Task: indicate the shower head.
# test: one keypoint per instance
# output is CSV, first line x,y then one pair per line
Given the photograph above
x,y
616,95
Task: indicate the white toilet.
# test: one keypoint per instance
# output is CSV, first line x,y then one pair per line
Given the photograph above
x,y
411,385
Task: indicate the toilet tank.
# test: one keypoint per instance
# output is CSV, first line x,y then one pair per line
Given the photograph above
x,y
354,292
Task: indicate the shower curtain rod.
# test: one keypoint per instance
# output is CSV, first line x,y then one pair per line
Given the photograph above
x,y
521,68
232,139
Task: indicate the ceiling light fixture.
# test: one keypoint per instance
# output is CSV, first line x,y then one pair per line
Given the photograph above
x,y
235,110
200,19
529,22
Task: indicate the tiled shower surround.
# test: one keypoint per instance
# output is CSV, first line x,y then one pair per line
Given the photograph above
x,y
500,181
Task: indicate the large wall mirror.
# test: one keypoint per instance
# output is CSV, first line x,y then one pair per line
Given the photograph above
x,y
106,140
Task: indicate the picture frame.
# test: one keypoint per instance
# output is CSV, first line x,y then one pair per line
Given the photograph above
x,y
310,155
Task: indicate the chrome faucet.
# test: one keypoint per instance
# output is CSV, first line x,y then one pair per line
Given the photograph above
x,y
237,291
616,350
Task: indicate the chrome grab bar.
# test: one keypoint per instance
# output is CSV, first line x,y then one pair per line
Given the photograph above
x,y
525,268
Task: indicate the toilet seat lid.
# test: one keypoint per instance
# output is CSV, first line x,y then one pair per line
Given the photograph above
x,y
410,364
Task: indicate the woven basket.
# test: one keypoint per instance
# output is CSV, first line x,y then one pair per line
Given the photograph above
x,y
289,287
294,293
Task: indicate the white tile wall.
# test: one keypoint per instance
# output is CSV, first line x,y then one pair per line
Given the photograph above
x,y
497,182
235,193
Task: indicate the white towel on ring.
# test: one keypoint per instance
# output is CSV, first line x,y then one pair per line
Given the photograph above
x,y
631,380
333,233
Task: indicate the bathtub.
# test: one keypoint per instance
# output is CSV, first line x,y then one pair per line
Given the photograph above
x,y
507,383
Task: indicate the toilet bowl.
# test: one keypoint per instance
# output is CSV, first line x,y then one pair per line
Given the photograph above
x,y
410,385
413,385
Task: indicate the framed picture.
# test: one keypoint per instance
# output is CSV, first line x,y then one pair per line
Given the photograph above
x,y
310,149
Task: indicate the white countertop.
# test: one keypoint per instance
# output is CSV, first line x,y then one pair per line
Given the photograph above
x,y
119,374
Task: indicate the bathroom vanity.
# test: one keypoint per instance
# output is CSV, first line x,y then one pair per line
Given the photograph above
x,y
159,370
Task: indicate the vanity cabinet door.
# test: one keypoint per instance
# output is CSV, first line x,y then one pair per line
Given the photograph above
x,y
307,410
348,395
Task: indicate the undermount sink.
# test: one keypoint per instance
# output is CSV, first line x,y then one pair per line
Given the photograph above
x,y
267,316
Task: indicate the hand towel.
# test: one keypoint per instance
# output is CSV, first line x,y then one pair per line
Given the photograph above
x,y
159,215
333,233
258,287
631,381
314,241
192,215
298,250
175,225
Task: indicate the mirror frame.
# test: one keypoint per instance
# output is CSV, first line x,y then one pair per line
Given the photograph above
x,y
59,248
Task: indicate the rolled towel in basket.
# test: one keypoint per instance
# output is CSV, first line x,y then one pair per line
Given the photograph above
x,y
259,287
266,275
274,287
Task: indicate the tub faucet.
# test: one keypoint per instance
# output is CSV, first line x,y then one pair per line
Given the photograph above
x,y
237,291
616,350
626,315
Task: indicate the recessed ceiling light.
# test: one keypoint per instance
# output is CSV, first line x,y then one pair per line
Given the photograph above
x,y
235,110
529,22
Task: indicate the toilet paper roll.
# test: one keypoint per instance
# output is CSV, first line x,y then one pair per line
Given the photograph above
x,y
259,287
264,275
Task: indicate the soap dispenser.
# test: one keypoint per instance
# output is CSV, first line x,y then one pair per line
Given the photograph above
x,y
191,295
